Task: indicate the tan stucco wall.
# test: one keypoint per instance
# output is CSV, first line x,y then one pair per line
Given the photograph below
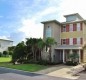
x,y
74,34
55,33
84,55
84,42
84,33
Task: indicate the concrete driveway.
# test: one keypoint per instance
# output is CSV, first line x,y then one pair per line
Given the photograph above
x,y
11,74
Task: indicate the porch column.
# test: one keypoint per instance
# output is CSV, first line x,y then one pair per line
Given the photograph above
x,y
63,56
79,56
71,52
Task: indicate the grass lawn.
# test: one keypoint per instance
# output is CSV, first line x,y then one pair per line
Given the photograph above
x,y
4,62
5,59
25,67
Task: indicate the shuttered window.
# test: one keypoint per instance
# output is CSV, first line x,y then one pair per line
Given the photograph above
x,y
81,26
71,27
81,40
67,28
67,41
71,41
78,26
74,27
74,40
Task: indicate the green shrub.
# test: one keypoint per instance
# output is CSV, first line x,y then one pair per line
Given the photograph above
x,y
10,52
45,62
0,54
71,63
5,53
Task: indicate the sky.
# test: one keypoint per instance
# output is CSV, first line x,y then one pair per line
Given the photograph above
x,y
20,19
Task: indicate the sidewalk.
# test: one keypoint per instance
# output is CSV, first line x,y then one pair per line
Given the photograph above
x,y
53,68
59,71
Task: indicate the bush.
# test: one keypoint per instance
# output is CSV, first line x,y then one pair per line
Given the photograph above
x,y
45,62
0,54
10,52
5,53
71,63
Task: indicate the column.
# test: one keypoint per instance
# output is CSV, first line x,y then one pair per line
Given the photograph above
x,y
71,52
63,56
79,56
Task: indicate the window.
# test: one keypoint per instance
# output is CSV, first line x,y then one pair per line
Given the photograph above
x,y
78,26
64,28
71,41
67,28
71,27
78,40
74,27
48,32
67,41
74,40
63,41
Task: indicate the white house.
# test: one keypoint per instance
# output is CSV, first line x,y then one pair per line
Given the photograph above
x,y
4,44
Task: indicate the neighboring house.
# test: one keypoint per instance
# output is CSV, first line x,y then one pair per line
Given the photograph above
x,y
4,44
70,37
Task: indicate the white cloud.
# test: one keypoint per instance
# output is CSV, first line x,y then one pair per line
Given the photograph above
x,y
47,11
4,37
72,6
31,28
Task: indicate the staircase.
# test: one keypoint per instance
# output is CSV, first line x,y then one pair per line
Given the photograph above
x,y
77,69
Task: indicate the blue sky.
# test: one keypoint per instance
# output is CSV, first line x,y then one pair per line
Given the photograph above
x,y
20,19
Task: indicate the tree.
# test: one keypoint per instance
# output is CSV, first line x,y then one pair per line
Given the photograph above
x,y
40,45
49,42
11,49
19,52
36,46
5,53
32,42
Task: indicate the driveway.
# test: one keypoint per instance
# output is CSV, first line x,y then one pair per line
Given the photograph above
x,y
11,74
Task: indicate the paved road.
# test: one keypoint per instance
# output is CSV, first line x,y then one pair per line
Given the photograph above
x,y
10,74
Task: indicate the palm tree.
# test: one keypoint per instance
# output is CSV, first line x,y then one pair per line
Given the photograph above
x,y
30,42
40,45
49,42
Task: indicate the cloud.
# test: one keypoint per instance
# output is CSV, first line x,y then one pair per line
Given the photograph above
x,y
47,11
4,37
17,37
72,6
31,28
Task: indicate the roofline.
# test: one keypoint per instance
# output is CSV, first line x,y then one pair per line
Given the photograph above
x,y
6,40
51,21
70,14
73,14
74,22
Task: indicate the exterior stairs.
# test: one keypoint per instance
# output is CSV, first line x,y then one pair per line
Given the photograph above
x,y
77,69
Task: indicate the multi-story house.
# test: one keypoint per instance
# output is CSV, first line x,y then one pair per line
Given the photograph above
x,y
70,37
4,44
